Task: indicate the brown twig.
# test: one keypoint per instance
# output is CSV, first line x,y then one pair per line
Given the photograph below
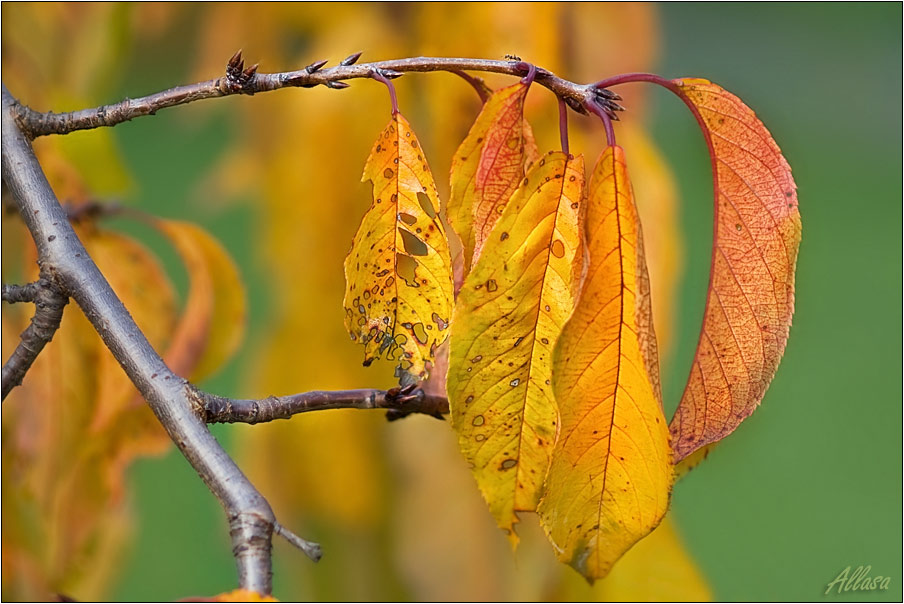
x,y
49,301
399,402
247,81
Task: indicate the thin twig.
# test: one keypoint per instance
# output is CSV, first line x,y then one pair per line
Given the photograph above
x,y
66,261
238,81
483,91
49,301
311,550
399,402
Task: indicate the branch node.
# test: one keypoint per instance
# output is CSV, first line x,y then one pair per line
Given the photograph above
x,y
238,79
311,550
531,70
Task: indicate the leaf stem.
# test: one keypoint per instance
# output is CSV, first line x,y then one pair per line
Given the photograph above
x,y
563,126
378,76
593,107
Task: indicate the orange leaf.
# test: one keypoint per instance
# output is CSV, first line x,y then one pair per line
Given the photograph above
x,y
398,300
610,476
236,595
487,168
508,316
751,291
213,322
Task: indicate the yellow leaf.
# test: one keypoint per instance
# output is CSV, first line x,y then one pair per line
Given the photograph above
x,y
509,313
657,569
398,300
487,168
609,479
213,321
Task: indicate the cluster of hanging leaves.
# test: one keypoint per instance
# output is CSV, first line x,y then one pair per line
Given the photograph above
x,y
553,369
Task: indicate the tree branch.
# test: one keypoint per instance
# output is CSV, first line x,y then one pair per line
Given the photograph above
x,y
399,403
239,81
49,301
65,261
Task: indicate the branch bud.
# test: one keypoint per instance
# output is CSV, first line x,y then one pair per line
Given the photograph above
x,y
315,66
351,59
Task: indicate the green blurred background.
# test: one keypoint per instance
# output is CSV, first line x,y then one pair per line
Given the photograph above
x,y
811,483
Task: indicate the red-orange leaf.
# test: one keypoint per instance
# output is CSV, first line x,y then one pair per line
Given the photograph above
x,y
751,291
488,166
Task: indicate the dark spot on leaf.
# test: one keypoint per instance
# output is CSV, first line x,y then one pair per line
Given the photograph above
x,y
491,285
426,205
440,322
412,244
420,334
508,464
557,248
407,218
478,421
405,268
388,172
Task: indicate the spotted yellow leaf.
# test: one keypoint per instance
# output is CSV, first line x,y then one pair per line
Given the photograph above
x,y
398,298
609,480
509,313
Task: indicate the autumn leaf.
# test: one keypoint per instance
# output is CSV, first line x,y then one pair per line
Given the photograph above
x,y
213,321
487,168
751,291
610,476
657,569
70,431
236,595
398,300
509,313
